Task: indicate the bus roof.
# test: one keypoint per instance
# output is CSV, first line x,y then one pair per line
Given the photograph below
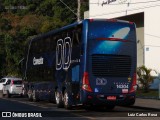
x,y
73,25
56,30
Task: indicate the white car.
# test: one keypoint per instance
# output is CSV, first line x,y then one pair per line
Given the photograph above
x,y
3,81
13,86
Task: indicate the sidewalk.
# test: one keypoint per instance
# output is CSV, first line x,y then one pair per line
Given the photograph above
x,y
147,103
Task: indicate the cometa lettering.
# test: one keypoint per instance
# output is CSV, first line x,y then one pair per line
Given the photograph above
x,y
38,61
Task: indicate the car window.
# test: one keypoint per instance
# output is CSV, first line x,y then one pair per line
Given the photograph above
x,y
8,82
2,80
17,82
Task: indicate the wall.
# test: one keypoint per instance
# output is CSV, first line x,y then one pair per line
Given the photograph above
x,y
152,38
117,8
148,34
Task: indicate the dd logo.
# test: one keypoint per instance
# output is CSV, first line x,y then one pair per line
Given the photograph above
x,y
63,53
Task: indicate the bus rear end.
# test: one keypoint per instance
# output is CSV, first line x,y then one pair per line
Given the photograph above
x,y
109,76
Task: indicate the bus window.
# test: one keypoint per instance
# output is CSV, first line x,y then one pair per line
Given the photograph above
x,y
40,47
35,47
47,45
76,37
53,43
31,49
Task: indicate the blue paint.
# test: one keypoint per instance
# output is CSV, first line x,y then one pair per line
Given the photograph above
x,y
50,57
75,73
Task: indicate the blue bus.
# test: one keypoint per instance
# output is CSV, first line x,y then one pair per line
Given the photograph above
x,y
92,62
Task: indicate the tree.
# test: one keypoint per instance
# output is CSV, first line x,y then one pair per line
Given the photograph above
x,y
18,25
145,77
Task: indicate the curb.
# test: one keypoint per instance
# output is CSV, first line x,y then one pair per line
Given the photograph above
x,y
144,97
144,108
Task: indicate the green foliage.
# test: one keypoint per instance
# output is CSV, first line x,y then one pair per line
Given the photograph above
x,y
25,32
22,19
5,24
46,8
46,26
150,94
145,77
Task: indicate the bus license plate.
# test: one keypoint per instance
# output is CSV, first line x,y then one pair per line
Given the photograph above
x,y
111,98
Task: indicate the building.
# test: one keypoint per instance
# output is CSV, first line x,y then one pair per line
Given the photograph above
x,y
145,13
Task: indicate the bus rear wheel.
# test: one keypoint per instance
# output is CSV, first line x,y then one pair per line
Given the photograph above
x,y
35,98
66,99
58,98
30,98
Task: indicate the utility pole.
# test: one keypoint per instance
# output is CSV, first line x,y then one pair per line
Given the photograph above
x,y
79,10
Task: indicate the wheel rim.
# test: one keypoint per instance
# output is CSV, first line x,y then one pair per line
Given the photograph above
x,y
23,92
29,96
57,97
34,97
66,99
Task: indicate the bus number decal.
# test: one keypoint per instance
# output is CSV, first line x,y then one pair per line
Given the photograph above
x,y
63,53
59,54
122,86
67,53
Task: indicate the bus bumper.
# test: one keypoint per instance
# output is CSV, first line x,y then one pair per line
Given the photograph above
x,y
103,99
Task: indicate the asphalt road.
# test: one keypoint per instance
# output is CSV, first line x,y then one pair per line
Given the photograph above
x,y
49,110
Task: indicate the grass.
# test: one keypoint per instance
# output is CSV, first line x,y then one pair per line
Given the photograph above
x,y
151,93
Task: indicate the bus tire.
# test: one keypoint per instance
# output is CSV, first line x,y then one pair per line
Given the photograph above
x,y
35,98
30,98
66,100
58,98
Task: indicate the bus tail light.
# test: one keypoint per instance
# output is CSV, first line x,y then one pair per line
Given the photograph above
x,y
91,20
85,83
133,86
131,22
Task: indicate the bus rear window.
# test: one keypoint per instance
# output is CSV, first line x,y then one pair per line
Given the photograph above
x,y
111,31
